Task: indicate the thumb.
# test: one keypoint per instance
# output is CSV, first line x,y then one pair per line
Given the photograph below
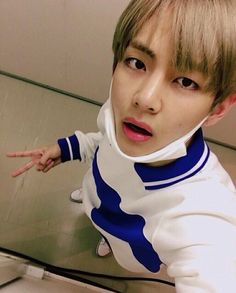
x,y
50,153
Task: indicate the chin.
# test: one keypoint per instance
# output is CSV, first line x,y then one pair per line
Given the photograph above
x,y
133,151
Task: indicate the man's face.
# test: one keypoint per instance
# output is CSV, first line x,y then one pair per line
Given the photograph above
x,y
153,103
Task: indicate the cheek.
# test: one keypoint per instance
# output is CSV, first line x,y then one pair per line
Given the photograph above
x,y
118,95
119,85
115,99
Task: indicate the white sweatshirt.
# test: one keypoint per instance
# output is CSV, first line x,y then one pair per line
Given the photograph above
x,y
182,214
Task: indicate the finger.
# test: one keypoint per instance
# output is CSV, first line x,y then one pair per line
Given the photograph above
x,y
48,167
22,169
45,158
41,167
49,154
52,152
24,153
51,165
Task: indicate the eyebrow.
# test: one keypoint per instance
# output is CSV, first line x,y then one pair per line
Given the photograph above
x,y
141,47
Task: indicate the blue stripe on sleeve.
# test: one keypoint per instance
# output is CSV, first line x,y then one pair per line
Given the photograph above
x,y
75,147
65,152
65,148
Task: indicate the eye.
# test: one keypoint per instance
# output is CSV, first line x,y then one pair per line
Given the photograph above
x,y
187,83
135,63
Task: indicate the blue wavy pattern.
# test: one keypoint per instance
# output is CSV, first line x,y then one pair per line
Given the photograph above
x,y
116,222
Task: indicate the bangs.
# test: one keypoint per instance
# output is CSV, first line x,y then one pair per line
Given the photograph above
x,y
196,39
204,34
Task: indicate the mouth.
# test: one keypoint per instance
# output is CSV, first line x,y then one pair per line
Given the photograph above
x,y
137,131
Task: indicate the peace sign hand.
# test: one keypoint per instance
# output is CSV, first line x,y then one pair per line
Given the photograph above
x,y
43,159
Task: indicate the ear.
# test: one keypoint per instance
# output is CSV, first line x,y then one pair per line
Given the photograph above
x,y
220,110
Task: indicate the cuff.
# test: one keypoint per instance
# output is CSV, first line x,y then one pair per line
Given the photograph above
x,y
70,149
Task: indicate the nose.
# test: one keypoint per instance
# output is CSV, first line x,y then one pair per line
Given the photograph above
x,y
148,96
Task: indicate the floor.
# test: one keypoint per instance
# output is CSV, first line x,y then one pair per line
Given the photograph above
x,y
33,285
37,218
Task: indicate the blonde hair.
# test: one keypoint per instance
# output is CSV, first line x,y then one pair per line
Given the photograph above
x,y
204,36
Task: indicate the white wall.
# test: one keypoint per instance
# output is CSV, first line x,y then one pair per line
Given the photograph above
x,y
67,44
62,43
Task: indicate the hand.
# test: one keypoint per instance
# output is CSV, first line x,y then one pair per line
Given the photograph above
x,y
43,159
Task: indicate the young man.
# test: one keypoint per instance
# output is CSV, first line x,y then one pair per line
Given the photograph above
x,y
166,198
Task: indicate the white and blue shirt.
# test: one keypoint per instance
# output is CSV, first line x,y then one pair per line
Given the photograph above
x,y
181,214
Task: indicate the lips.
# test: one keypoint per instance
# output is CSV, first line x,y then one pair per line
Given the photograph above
x,y
136,131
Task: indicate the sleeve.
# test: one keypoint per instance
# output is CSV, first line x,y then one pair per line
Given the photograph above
x,y
79,146
198,244
204,268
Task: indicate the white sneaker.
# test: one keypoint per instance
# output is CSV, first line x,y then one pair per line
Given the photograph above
x,y
103,248
76,196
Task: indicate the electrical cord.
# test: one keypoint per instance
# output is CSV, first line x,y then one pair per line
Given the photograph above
x,y
73,273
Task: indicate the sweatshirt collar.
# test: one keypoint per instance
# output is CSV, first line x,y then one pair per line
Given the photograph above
x,y
179,170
